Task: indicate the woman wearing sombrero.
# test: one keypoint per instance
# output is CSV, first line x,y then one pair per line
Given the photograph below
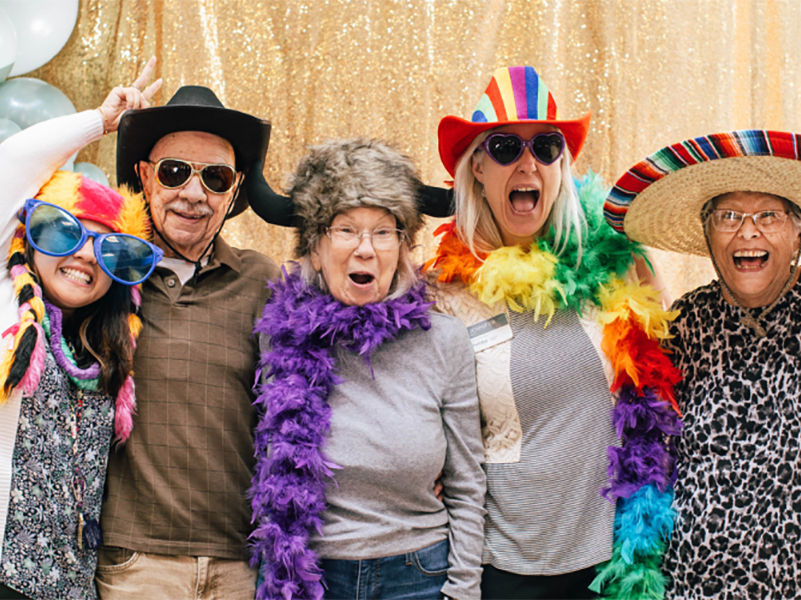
x,y
563,332
734,197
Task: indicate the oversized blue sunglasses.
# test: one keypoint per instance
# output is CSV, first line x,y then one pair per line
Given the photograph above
x,y
53,231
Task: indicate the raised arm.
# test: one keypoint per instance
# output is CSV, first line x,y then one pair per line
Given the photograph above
x,y
30,157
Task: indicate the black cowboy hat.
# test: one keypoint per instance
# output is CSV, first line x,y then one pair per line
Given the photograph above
x,y
193,108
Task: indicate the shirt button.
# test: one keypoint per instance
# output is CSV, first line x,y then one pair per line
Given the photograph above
x,y
171,282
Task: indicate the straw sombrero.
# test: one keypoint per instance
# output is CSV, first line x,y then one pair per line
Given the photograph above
x,y
514,95
658,201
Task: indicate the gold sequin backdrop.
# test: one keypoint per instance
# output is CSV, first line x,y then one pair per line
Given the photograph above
x,y
652,72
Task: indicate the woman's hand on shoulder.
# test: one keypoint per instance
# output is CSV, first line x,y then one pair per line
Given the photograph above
x,y
122,98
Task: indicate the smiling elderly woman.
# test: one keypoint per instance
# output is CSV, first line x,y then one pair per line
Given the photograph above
x,y
366,398
734,197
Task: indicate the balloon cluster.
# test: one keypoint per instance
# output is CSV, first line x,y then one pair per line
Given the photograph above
x,y
32,32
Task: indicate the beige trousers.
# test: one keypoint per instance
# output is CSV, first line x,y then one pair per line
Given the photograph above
x,y
126,575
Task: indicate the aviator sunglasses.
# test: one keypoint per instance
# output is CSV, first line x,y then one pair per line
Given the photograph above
x,y
54,231
172,173
506,148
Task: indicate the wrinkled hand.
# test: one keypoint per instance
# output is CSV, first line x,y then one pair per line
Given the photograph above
x,y
122,98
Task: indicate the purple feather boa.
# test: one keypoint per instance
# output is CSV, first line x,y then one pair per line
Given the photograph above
x,y
304,325
648,426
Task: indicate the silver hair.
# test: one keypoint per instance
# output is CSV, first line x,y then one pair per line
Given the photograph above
x,y
340,175
474,219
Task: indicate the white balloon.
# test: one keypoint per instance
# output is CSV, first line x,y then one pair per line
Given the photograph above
x,y
42,26
8,128
8,45
91,171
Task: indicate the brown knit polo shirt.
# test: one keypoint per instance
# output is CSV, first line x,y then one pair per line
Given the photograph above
x,y
179,485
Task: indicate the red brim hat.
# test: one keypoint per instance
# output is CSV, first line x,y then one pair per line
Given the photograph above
x,y
514,95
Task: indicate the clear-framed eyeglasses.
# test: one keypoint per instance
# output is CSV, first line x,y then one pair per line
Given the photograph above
x,y
729,221
382,238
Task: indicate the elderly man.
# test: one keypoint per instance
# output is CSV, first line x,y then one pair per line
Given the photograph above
x,y
176,517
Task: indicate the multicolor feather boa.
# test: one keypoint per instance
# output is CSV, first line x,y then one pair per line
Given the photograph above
x,y
646,415
299,371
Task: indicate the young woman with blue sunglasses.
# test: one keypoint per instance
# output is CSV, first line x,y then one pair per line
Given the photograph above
x,y
68,318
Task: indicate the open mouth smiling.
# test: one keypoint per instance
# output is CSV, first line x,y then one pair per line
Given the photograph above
x,y
76,275
750,259
524,200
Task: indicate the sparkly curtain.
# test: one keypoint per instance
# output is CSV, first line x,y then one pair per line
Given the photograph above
x,y
652,72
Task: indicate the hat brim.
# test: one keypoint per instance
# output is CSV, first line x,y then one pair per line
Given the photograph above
x,y
667,214
658,201
456,134
139,130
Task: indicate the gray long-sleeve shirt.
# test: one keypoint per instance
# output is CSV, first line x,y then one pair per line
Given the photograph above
x,y
393,434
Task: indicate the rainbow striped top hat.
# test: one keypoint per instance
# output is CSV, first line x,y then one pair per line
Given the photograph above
x,y
658,201
514,95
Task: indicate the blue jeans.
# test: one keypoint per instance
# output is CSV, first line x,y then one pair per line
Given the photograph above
x,y
417,575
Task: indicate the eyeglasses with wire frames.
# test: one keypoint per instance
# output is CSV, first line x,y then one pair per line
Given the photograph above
x,y
382,238
172,173
728,221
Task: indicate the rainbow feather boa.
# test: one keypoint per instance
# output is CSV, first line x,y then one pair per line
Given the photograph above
x,y
646,416
304,325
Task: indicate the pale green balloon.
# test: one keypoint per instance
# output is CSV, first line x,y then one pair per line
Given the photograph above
x,y
8,128
26,100
91,171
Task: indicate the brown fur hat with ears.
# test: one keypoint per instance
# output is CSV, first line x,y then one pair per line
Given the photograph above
x,y
339,175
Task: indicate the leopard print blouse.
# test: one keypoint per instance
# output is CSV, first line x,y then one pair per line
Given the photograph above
x,y
738,491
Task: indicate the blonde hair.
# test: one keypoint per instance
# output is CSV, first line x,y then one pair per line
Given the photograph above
x,y
476,224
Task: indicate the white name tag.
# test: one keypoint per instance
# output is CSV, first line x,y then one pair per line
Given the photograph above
x,y
491,332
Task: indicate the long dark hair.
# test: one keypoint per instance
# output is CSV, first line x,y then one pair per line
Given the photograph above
x,y
102,330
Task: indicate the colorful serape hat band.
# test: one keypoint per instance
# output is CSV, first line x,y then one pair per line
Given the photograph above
x,y
658,201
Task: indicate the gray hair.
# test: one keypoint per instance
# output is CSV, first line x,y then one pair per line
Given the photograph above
x,y
340,175
474,219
